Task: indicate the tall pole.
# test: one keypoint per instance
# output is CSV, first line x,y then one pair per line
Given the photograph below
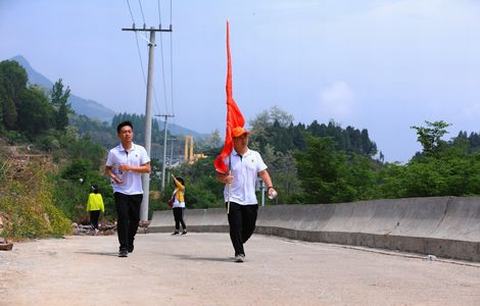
x,y
148,127
148,112
164,161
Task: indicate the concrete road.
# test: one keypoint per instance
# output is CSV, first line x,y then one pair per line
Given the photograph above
x,y
197,269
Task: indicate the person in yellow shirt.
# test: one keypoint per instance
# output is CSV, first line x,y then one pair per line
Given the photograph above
x,y
95,206
178,206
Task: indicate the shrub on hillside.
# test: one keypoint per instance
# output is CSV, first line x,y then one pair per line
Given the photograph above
x,y
27,201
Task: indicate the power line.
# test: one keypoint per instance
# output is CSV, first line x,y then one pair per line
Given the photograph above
x,y
171,73
140,58
162,60
131,14
141,10
162,57
159,13
171,12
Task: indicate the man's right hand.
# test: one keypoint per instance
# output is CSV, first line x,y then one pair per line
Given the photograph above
x,y
228,179
115,179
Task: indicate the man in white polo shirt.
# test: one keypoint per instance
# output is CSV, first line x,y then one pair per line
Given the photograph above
x,y
125,165
245,165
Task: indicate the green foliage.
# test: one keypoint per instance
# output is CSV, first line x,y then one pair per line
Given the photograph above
x,y
430,136
10,114
36,112
13,137
391,181
59,99
282,168
347,140
13,80
322,172
100,133
30,208
73,184
70,195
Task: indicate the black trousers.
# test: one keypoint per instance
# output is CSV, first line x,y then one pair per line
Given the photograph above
x,y
178,216
94,215
128,216
242,219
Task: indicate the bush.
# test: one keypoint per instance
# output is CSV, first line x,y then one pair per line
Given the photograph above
x,y
27,201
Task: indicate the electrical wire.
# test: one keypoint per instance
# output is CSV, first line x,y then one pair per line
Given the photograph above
x,y
171,59
141,10
162,59
159,14
171,12
141,60
131,14
171,75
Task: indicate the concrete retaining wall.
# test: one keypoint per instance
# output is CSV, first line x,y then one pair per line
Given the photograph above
x,y
446,227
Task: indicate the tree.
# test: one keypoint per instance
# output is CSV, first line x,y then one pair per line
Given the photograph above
x,y
10,114
213,141
430,136
322,172
13,80
36,112
59,99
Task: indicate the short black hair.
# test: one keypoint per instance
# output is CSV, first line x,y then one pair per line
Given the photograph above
x,y
122,124
94,188
181,180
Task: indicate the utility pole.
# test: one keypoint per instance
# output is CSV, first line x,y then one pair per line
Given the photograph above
x,y
148,110
165,116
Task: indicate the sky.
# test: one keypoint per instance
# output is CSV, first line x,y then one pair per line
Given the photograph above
x,y
380,65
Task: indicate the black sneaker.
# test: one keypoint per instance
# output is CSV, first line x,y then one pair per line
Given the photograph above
x,y
123,253
175,233
130,248
184,232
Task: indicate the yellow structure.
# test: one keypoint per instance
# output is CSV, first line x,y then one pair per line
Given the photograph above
x,y
189,156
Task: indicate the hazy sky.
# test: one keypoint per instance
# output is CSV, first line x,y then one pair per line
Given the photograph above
x,y
375,64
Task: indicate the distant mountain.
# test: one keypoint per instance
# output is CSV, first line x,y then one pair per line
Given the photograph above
x,y
90,108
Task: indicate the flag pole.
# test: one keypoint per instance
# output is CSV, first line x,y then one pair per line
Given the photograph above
x,y
229,185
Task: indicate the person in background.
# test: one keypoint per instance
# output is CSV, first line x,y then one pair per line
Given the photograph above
x,y
239,193
125,165
95,206
178,206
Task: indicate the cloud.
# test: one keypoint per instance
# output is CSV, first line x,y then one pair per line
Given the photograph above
x,y
336,100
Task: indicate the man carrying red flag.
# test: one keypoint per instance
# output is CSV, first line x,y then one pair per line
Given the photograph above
x,y
238,167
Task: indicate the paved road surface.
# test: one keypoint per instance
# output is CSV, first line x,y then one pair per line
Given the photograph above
x,y
197,269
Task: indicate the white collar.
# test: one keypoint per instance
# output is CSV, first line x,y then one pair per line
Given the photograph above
x,y
125,150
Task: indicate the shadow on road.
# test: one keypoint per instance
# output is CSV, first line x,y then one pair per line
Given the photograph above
x,y
189,257
115,254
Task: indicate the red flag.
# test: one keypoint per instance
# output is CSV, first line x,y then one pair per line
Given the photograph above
x,y
234,116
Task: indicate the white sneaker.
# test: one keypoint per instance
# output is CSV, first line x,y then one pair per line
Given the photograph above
x,y
240,258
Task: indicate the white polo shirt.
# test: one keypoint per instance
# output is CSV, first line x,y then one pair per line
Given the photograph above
x,y
245,170
132,181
